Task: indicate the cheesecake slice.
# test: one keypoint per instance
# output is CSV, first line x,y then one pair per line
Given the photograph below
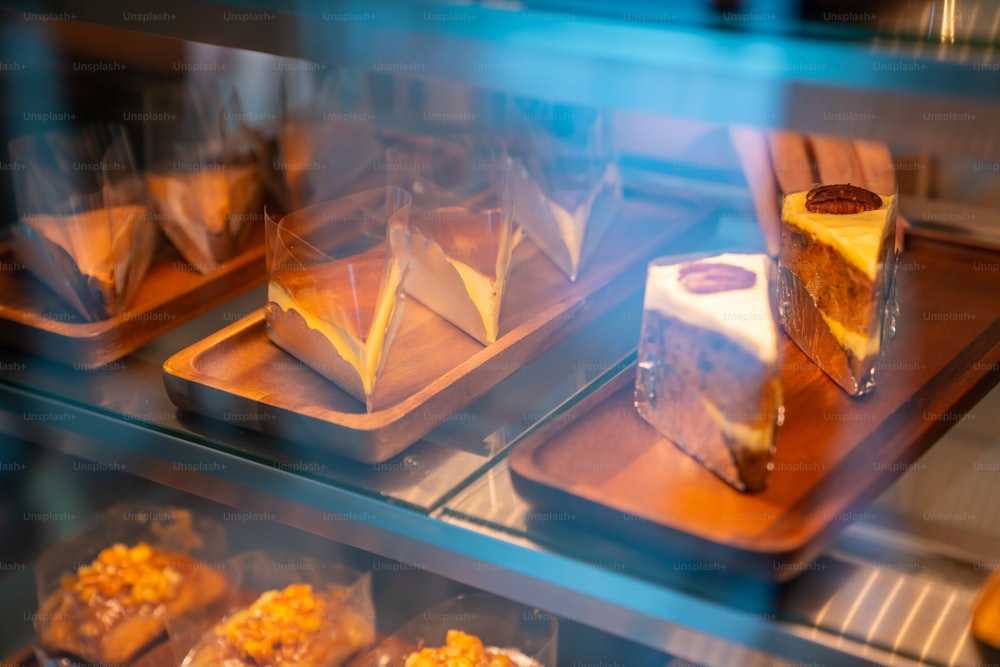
x,y
709,376
458,266
206,213
567,223
338,317
837,267
93,259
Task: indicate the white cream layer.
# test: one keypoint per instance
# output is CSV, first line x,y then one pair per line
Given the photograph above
x,y
743,315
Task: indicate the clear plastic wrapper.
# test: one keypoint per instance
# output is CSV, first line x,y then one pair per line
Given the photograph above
x,y
84,228
461,225
709,367
524,636
328,145
837,295
335,276
105,596
566,184
203,177
289,610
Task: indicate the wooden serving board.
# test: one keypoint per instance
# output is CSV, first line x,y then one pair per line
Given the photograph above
x,y
34,319
433,370
834,453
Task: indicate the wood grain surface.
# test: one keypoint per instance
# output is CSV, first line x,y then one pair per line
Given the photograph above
x,y
834,452
433,369
34,319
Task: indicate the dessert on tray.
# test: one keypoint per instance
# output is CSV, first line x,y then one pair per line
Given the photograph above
x,y
837,268
465,650
709,376
84,227
566,217
203,180
462,229
298,625
335,285
205,212
107,605
459,261
93,259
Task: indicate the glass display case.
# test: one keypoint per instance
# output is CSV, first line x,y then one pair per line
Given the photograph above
x,y
881,543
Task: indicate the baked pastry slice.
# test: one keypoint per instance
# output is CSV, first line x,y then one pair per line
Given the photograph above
x,y
567,223
109,611
465,650
709,376
93,259
298,626
837,268
207,213
459,259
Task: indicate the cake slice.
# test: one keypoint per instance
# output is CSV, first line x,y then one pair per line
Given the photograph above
x,y
339,316
92,259
458,266
206,213
567,223
837,267
709,374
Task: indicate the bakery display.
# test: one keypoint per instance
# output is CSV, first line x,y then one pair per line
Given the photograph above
x,y
837,268
709,376
335,280
298,625
207,213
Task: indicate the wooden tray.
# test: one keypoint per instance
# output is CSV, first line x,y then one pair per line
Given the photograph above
x,y
34,319
433,370
834,453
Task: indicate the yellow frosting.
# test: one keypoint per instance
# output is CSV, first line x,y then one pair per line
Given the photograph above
x,y
857,236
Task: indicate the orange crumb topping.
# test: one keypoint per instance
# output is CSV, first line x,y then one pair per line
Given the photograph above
x,y
278,622
133,576
460,650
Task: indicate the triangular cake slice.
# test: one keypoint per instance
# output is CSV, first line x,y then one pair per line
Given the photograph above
x,y
458,266
339,317
206,213
567,223
92,259
837,270
709,376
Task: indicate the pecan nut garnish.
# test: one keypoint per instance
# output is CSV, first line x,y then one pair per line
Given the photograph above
x,y
841,199
707,278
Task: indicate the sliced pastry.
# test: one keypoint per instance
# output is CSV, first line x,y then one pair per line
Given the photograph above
x,y
207,213
458,266
110,610
709,376
93,259
837,266
298,626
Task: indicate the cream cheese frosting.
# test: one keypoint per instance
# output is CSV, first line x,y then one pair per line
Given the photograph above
x,y
743,315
